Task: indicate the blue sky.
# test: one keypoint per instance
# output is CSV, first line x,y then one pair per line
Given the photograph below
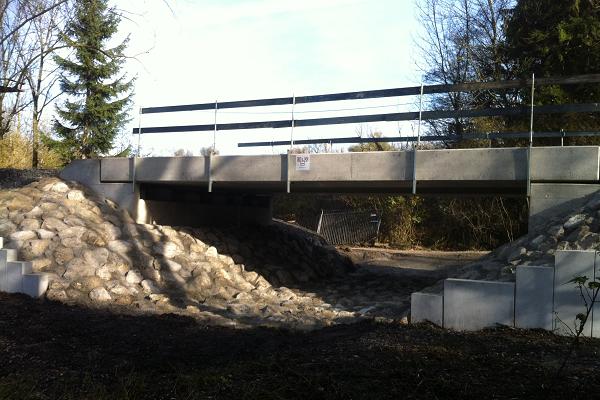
x,y
200,50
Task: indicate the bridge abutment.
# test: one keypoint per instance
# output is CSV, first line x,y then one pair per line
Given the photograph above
x,y
177,205
549,200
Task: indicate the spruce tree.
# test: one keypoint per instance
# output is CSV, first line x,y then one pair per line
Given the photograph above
x,y
99,93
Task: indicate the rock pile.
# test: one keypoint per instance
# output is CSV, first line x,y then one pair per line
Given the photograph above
x,y
96,255
578,229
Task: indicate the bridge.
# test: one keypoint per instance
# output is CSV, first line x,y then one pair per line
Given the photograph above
x,y
206,190
217,189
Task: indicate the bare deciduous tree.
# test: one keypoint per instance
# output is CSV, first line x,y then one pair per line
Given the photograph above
x,y
463,41
18,44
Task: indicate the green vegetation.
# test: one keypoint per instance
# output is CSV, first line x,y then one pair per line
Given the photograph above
x,y
473,40
97,110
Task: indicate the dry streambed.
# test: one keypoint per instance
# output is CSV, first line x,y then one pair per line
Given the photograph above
x,y
97,256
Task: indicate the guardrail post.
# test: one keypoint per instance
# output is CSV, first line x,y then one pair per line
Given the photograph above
x,y
293,123
214,146
288,181
414,182
213,150
133,172
287,171
529,150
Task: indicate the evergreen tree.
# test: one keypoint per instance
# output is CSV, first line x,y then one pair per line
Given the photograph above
x,y
100,95
558,38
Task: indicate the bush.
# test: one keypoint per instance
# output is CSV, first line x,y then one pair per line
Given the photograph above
x,y
16,152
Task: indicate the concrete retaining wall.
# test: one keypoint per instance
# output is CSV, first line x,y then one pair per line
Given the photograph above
x,y
474,305
541,297
17,276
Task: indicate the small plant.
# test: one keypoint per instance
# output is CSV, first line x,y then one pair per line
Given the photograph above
x,y
588,290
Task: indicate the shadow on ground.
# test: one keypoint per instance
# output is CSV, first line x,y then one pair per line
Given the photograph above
x,y
49,350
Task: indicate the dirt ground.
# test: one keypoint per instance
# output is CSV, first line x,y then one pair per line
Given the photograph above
x,y
49,350
52,351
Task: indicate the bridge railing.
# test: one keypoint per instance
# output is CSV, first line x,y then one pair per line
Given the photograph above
x,y
420,115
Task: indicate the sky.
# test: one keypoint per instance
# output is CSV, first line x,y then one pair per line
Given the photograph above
x,y
199,51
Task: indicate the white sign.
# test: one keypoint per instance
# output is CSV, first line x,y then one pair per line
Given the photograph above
x,y
303,162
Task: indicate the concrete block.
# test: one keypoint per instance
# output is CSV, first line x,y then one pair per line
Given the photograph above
x,y
116,169
534,297
508,164
265,168
474,305
323,167
391,166
569,264
14,275
427,307
35,285
548,163
6,255
1,242
172,169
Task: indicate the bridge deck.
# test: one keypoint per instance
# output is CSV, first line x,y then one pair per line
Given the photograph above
x,y
496,170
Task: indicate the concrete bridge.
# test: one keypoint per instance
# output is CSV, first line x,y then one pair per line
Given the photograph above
x,y
206,190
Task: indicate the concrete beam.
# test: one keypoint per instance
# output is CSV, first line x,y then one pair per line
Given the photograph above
x,y
427,307
569,264
6,256
563,164
35,285
14,275
474,305
534,297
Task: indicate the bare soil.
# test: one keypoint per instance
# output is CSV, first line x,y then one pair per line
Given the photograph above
x,y
49,350
52,351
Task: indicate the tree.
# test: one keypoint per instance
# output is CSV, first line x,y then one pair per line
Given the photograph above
x,y
41,75
100,95
17,53
463,41
183,153
557,38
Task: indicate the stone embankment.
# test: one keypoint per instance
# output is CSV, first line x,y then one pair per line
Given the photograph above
x,y
578,229
96,255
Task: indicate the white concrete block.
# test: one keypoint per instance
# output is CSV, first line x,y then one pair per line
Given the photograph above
x,y
427,307
6,255
35,285
474,305
14,275
569,264
1,242
534,297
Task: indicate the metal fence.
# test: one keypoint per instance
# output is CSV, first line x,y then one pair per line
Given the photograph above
x,y
349,227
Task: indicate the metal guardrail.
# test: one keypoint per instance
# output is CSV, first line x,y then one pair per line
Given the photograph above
x,y
426,138
404,116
